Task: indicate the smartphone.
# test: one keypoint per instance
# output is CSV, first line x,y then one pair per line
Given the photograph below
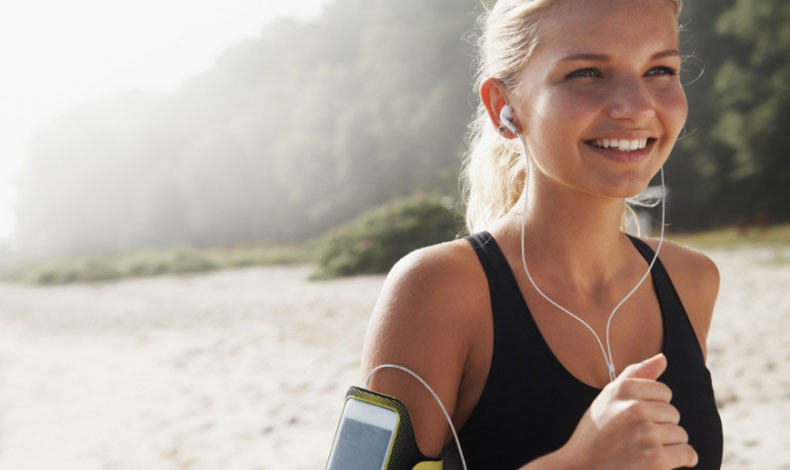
x,y
364,437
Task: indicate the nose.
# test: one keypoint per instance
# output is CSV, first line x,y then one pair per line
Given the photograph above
x,y
631,101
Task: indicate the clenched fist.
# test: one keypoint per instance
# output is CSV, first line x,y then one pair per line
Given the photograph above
x,y
631,424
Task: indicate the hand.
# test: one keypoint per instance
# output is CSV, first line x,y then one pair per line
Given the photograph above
x,y
631,424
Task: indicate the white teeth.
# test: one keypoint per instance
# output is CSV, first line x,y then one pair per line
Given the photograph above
x,y
623,144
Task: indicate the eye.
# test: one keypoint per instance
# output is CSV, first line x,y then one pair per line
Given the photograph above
x,y
661,70
588,72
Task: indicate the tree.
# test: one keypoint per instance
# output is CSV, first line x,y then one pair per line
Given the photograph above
x,y
753,91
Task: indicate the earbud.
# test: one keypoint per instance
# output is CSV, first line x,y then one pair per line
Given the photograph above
x,y
506,117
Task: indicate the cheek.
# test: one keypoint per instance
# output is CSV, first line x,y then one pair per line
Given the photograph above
x,y
556,123
680,110
560,118
672,108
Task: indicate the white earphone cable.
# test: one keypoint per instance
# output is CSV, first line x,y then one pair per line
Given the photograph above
x,y
607,353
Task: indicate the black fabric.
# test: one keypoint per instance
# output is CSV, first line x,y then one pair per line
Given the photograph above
x,y
531,404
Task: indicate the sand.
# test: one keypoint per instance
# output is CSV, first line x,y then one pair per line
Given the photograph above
x,y
247,369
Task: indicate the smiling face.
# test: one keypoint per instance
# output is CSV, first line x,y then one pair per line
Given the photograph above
x,y
600,102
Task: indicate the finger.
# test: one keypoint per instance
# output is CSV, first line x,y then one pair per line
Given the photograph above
x,y
644,389
648,369
651,413
680,455
662,413
672,434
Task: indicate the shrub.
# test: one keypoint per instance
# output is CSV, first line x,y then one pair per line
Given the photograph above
x,y
378,237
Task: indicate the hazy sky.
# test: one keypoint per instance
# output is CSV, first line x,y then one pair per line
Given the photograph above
x,y
56,54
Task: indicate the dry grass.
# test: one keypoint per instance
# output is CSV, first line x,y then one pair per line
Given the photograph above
x,y
176,260
777,236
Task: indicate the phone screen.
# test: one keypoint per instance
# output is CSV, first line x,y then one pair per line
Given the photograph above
x,y
363,438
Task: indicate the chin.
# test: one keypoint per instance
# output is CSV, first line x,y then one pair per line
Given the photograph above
x,y
606,182
623,188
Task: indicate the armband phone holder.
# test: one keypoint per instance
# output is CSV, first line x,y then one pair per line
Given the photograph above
x,y
376,433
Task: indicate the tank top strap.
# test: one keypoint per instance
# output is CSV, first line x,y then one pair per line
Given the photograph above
x,y
508,306
679,333
491,258
503,290
686,373
666,291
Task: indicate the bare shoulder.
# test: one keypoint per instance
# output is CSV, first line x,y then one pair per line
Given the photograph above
x,y
696,279
429,291
424,319
437,272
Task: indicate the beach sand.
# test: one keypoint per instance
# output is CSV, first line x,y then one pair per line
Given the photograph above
x,y
247,369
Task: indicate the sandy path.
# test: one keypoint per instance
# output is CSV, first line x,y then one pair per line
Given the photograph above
x,y
749,359
233,370
247,369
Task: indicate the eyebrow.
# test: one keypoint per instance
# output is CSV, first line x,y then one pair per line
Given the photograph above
x,y
605,58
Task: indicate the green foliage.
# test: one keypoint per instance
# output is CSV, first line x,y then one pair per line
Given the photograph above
x,y
305,126
377,238
699,163
287,134
753,91
731,167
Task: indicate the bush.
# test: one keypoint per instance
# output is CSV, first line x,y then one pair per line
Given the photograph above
x,y
377,238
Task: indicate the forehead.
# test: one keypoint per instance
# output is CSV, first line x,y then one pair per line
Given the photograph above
x,y
612,27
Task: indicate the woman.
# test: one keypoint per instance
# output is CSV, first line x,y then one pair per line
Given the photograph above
x,y
595,95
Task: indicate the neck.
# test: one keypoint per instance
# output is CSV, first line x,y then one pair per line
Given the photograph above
x,y
571,236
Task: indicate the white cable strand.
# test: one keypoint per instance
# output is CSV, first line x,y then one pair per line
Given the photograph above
x,y
649,268
607,357
435,396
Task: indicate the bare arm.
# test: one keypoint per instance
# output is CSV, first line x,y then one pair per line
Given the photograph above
x,y
420,321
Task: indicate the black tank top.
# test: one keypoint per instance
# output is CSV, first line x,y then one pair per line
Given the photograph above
x,y
531,404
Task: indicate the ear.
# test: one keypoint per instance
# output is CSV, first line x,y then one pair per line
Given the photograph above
x,y
494,98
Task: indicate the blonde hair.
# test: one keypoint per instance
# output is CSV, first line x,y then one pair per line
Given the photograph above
x,y
494,173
